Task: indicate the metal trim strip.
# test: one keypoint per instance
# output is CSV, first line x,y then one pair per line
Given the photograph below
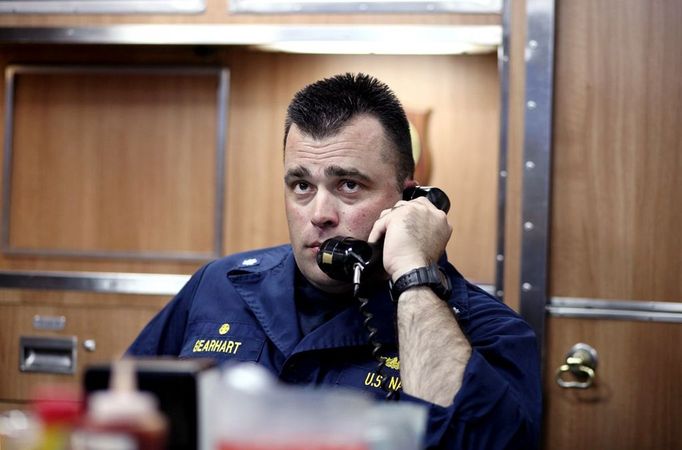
x,y
591,308
364,6
108,282
103,7
7,153
117,283
614,314
604,304
503,68
213,34
221,118
536,194
220,170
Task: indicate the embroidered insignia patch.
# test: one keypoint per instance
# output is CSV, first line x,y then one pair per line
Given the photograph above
x,y
393,363
249,262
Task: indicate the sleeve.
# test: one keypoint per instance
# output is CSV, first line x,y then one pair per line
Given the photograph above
x,y
165,333
499,405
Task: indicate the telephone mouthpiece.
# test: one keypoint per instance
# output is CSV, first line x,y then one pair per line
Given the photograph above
x,y
338,255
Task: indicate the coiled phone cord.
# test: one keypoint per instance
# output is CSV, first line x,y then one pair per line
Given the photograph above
x,y
371,333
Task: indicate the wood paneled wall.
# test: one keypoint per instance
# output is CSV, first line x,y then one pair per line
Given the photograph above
x,y
618,151
462,93
114,162
463,97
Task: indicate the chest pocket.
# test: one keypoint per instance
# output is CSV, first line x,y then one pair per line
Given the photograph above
x,y
367,378
223,341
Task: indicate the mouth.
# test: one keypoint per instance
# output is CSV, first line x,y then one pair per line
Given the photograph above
x,y
314,246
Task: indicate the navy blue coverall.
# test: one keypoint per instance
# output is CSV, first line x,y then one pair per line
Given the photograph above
x,y
242,308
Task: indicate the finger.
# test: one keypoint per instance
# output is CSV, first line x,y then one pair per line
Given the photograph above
x,y
379,228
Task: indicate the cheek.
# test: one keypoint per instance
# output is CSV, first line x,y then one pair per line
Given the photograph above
x,y
295,216
361,222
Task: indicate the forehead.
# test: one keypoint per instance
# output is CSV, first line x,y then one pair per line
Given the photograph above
x,y
361,142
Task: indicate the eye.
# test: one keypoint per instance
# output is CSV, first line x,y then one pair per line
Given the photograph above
x,y
301,187
349,186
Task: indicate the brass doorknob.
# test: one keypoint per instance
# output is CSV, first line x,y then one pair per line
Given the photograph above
x,y
579,369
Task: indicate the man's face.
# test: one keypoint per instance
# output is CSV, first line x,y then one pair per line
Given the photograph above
x,y
336,186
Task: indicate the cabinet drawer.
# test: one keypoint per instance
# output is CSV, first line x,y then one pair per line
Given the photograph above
x,y
100,328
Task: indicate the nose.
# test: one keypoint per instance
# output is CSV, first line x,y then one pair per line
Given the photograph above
x,y
324,214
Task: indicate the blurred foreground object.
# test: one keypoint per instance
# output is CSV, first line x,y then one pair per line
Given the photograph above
x,y
19,430
182,387
122,418
59,407
252,411
244,407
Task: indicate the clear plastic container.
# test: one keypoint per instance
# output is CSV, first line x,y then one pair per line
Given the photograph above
x,y
252,411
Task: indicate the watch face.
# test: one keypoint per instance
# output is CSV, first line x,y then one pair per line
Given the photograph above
x,y
436,276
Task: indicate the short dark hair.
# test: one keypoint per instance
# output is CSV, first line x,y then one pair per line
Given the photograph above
x,y
322,108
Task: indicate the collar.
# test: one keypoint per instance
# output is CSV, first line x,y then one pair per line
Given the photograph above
x,y
267,287
268,290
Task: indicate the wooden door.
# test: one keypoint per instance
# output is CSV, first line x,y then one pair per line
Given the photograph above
x,y
615,268
636,399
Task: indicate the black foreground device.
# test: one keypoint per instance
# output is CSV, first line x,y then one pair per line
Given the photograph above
x,y
175,383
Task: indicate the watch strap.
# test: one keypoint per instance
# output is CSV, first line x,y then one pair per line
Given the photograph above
x,y
431,276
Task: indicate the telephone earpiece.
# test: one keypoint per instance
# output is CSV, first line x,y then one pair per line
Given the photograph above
x,y
433,194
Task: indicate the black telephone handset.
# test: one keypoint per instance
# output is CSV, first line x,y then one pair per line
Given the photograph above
x,y
344,258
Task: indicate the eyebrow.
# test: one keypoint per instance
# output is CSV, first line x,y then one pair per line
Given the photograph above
x,y
296,173
331,171
338,171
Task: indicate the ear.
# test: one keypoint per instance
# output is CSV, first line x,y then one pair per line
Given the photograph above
x,y
408,183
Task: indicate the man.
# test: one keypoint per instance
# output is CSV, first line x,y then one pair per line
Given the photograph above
x,y
347,157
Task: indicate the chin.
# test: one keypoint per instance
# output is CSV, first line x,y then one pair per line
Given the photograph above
x,y
321,281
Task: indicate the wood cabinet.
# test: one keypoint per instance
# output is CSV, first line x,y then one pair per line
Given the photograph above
x,y
110,322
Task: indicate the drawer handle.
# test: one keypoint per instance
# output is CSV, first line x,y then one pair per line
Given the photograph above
x,y
47,354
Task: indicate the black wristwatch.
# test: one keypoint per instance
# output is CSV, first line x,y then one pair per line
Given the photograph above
x,y
431,276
